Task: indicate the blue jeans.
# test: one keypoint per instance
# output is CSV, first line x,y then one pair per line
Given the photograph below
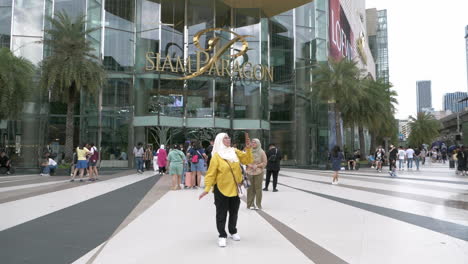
x,y
48,168
139,163
410,163
416,161
400,164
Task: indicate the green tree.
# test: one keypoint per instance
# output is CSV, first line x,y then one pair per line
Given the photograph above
x,y
71,68
378,111
424,129
16,83
337,82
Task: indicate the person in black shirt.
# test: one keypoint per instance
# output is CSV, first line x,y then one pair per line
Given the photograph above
x,y
5,161
208,151
392,157
274,157
354,159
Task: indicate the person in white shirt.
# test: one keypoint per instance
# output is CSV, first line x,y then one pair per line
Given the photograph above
x,y
48,165
401,158
410,157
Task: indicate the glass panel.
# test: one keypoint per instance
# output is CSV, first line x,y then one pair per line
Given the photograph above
x,y
94,21
147,32
223,99
28,17
120,14
171,99
73,8
118,50
247,97
29,48
200,98
5,26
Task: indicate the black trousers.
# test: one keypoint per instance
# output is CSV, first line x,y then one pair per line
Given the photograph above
x,y
148,164
392,164
275,178
223,206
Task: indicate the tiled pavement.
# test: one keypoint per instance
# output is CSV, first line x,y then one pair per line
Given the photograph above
x,y
417,217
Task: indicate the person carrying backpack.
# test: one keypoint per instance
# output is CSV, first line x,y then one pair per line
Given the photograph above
x,y
274,157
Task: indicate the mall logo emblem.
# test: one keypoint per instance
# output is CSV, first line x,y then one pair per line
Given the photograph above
x,y
212,65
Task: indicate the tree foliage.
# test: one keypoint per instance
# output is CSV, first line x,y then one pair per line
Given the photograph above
x,y
16,83
71,68
424,129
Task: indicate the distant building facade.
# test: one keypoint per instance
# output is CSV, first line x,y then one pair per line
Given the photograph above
x,y
404,129
423,95
378,41
452,101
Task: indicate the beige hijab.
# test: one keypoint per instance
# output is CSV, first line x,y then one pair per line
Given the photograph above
x,y
258,151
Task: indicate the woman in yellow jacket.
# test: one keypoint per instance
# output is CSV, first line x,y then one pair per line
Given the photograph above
x,y
223,175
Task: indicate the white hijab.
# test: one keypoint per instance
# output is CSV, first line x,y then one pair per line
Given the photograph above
x,y
227,153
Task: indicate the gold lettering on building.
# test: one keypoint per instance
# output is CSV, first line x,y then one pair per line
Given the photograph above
x,y
210,61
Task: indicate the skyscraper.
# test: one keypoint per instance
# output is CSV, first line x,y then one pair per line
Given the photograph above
x,y
378,41
423,95
451,101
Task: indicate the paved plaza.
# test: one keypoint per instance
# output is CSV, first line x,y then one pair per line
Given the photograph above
x,y
418,217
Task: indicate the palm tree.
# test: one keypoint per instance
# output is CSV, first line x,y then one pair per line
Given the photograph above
x,y
424,129
16,75
377,111
71,68
337,82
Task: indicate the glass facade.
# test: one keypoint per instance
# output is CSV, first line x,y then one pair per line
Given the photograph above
x,y
140,104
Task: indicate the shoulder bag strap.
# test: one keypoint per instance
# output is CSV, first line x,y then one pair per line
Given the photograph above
x,y
233,177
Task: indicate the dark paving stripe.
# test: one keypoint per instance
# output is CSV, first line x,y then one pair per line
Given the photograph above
x,y
66,235
436,225
313,251
417,197
400,178
394,181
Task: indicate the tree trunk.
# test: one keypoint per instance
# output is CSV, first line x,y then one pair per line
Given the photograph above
x,y
362,143
372,144
70,125
339,141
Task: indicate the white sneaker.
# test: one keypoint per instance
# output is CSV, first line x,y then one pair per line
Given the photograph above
x,y
334,183
45,175
222,242
235,237
252,208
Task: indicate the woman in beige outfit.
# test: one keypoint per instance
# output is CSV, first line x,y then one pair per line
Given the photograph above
x,y
255,172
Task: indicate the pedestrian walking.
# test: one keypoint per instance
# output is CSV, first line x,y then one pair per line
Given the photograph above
x,y
461,158
82,164
379,158
223,176
409,157
255,172
155,160
401,158
392,157
197,156
162,159
93,160
417,158
148,157
138,151
336,157
423,155
274,157
175,165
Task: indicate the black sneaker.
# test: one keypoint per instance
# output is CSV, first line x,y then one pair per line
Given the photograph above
x,y
72,180
275,190
265,189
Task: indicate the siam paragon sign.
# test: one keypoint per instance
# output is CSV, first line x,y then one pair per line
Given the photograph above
x,y
215,65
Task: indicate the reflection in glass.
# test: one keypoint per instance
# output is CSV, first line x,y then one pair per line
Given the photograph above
x,y
28,17
73,8
5,26
28,47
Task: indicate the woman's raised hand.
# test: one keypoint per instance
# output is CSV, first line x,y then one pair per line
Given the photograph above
x,y
247,141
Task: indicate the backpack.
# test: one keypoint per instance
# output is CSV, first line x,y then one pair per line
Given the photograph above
x,y
195,158
273,157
